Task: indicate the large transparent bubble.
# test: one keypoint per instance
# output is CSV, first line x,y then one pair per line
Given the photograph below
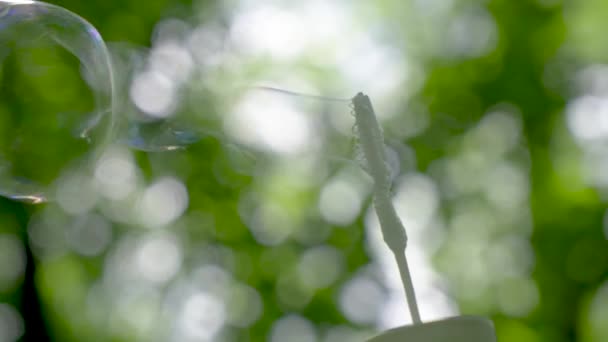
x,y
56,93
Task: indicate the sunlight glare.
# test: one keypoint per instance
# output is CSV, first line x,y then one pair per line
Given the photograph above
x,y
270,122
269,30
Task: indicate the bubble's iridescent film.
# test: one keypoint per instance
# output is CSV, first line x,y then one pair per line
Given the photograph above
x,y
193,171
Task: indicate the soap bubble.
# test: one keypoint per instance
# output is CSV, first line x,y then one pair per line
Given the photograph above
x,y
168,103
56,95
262,125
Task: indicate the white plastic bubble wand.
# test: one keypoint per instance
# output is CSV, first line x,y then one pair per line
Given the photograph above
x,y
371,140
455,329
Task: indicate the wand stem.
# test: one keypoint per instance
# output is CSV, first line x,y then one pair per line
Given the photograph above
x,y
406,278
393,232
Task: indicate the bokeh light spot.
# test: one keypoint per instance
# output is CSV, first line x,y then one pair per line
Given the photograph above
x,y
115,173
11,324
597,315
202,318
361,299
154,93
345,334
472,33
76,193
291,292
172,60
12,261
271,225
416,201
320,267
159,258
340,203
293,328
507,186
245,306
588,118
517,297
89,235
163,202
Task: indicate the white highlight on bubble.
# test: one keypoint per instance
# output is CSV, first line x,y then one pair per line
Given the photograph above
x,y
293,328
163,202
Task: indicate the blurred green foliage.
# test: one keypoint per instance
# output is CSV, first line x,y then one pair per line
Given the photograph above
x,y
520,228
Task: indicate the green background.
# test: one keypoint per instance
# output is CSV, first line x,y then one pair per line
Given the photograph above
x,y
495,121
